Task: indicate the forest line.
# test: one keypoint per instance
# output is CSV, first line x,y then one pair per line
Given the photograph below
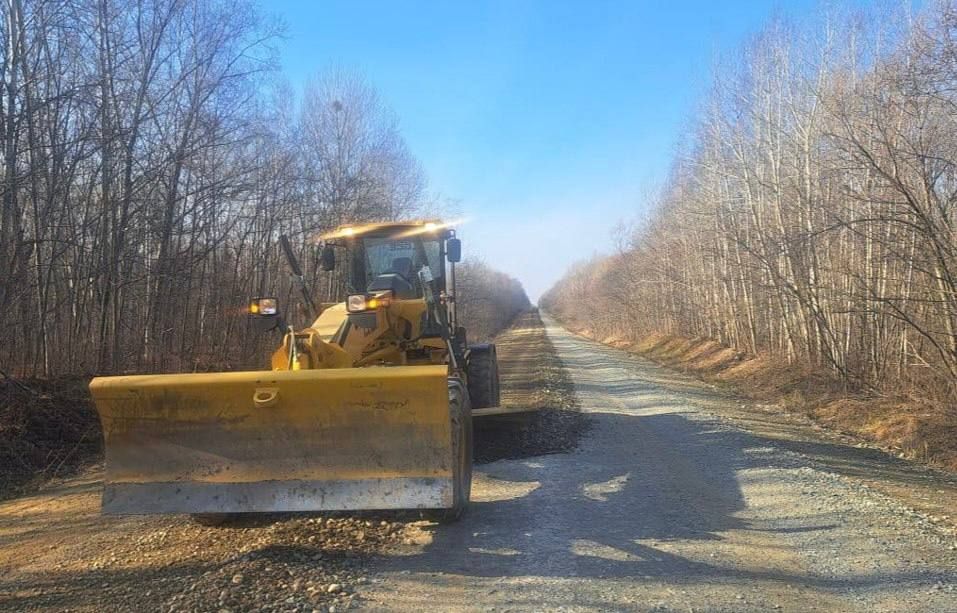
x,y
810,215
152,156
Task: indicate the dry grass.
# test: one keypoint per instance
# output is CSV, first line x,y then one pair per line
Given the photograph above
x,y
912,427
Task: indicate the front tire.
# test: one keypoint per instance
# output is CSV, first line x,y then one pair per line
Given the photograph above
x,y
460,416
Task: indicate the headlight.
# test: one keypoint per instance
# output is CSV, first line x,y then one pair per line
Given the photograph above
x,y
356,303
263,306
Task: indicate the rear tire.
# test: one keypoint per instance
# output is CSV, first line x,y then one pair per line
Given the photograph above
x,y
460,414
484,388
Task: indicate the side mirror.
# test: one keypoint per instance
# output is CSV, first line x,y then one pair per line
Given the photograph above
x,y
327,260
453,248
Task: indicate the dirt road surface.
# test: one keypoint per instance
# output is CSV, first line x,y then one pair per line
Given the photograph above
x,y
667,496
671,504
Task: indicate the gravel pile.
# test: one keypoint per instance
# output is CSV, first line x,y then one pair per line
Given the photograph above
x,y
293,565
549,431
533,376
280,563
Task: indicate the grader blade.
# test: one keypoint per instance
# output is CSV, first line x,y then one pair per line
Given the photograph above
x,y
306,440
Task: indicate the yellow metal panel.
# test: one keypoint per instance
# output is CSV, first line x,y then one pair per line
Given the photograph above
x,y
312,352
344,428
329,321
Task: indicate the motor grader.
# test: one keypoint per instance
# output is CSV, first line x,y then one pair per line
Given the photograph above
x,y
368,407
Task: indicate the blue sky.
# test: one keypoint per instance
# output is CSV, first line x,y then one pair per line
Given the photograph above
x,y
549,121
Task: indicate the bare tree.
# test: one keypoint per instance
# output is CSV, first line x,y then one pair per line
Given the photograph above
x,y
150,163
812,215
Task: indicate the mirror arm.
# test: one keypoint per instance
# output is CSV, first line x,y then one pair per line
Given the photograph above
x,y
297,273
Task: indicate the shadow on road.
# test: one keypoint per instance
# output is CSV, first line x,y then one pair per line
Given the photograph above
x,y
652,470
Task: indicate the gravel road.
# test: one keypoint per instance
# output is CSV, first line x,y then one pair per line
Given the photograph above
x,y
663,494
680,499
58,553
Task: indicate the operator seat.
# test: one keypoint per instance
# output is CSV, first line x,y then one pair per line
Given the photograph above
x,y
397,278
403,268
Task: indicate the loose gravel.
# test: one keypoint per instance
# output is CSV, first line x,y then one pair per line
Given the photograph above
x,y
275,563
670,504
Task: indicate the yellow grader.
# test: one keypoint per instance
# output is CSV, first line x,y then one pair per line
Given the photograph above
x,y
368,407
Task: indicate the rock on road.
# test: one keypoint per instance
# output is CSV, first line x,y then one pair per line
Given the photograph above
x,y
669,505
